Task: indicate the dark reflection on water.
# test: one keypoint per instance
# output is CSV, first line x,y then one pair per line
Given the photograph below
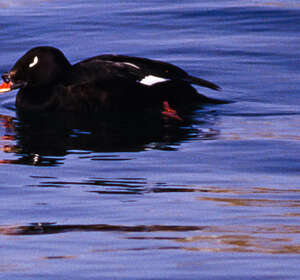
x,y
48,228
277,239
46,139
106,186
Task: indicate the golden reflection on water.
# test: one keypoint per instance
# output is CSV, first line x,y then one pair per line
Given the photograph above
x,y
269,239
246,239
275,128
281,238
7,137
6,122
254,202
277,239
235,199
282,4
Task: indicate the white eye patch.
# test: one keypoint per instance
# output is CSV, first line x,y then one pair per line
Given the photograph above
x,y
34,62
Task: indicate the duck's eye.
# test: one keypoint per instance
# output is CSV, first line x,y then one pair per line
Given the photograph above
x,y
34,62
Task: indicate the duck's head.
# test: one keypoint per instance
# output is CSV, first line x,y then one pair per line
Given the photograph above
x,y
39,67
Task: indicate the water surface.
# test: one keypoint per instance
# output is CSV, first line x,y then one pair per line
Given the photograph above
x,y
215,197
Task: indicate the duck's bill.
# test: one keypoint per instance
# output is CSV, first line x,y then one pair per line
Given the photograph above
x,y
5,87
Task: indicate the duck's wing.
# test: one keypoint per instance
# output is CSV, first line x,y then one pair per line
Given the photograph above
x,y
150,71
96,70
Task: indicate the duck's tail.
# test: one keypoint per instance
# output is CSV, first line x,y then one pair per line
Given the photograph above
x,y
202,82
181,93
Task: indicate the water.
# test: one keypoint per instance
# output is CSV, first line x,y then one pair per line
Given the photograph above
x,y
214,198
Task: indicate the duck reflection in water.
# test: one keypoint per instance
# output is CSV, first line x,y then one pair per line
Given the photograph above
x,y
46,140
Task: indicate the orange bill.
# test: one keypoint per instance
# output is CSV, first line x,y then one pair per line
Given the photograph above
x,y
4,87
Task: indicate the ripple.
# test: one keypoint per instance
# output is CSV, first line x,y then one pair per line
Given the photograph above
x,y
49,228
276,239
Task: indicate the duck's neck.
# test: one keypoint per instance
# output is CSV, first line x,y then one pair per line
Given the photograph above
x,y
35,99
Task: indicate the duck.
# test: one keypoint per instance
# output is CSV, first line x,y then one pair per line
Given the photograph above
x,y
47,81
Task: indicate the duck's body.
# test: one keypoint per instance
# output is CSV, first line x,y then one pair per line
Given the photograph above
x,y
105,83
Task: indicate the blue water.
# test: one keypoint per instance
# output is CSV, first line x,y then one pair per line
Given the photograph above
x,y
214,198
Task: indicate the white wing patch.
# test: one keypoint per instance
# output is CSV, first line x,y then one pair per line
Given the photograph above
x,y
35,62
151,80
